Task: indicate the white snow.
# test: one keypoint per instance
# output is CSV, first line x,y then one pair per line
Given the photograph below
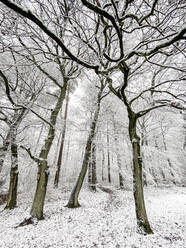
x,y
103,220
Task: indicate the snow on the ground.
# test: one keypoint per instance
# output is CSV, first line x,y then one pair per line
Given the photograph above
x,y
103,220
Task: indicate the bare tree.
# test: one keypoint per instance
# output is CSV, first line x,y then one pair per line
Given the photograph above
x,y
129,35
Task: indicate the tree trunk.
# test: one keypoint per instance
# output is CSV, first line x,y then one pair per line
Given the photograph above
x,y
39,198
142,220
94,175
14,124
59,162
12,193
92,178
73,200
42,175
89,173
102,166
184,131
108,156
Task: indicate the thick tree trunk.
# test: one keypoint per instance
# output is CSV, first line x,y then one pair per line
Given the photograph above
x,y
39,198
59,162
141,215
73,200
43,173
12,193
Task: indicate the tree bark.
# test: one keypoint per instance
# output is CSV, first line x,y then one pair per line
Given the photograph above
x,y
141,215
92,177
108,156
59,162
184,131
43,173
73,200
12,193
14,124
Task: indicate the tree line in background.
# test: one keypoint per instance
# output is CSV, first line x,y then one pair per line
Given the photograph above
x,y
128,58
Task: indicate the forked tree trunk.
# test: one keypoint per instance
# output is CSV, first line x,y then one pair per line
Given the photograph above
x,y
141,215
59,161
73,200
12,193
43,173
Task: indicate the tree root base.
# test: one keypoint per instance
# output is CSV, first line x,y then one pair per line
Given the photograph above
x,y
144,229
73,205
10,207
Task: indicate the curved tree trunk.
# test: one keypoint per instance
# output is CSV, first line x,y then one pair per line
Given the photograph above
x,y
141,215
73,200
42,176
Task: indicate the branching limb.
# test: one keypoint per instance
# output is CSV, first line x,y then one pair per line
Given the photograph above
x,y
37,160
29,15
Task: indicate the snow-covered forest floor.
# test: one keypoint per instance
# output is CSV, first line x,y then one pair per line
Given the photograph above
x,y
103,220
